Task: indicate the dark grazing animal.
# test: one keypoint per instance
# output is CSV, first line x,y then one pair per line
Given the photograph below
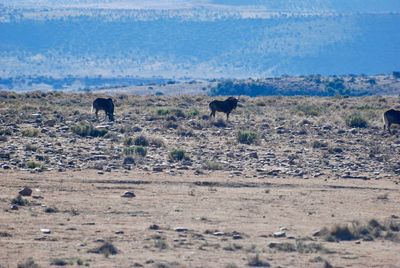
x,y
225,106
107,105
390,117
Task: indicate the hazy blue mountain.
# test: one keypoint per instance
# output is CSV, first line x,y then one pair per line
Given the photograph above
x,y
218,38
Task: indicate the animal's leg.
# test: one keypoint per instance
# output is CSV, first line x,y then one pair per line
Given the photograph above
x,y
227,116
388,127
212,114
97,116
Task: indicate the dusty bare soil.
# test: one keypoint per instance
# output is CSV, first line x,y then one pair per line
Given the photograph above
x,y
91,209
306,168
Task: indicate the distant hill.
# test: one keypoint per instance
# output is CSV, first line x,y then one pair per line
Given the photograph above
x,y
200,39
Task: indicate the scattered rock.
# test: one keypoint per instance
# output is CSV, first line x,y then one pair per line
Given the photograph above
x,y
154,227
26,191
45,231
181,229
158,169
280,234
14,207
129,194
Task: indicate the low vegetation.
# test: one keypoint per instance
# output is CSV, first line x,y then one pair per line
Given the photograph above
x,y
29,263
356,120
368,231
87,130
106,249
247,137
177,154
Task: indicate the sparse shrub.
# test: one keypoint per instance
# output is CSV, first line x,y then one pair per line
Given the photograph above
x,y
212,165
356,120
33,164
284,246
231,265
335,150
193,112
232,247
59,262
141,141
19,201
30,147
30,132
247,137
309,109
177,154
128,141
255,261
137,150
157,142
179,113
367,231
106,249
29,263
184,132
85,130
6,132
163,111
160,244
319,144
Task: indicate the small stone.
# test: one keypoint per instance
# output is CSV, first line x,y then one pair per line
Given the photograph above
x,y
317,233
119,232
128,194
45,231
181,229
157,169
253,155
14,207
237,236
154,227
26,191
218,233
280,234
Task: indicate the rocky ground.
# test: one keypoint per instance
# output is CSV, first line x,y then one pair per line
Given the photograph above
x,y
282,166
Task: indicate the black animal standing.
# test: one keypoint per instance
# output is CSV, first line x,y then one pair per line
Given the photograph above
x,y
390,117
107,105
225,106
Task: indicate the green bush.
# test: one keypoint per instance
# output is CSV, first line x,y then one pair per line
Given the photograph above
x,y
30,132
85,130
163,111
137,150
356,120
212,165
177,155
310,110
20,201
33,164
247,137
141,141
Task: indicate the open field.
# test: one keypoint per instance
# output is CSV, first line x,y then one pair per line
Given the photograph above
x,y
208,193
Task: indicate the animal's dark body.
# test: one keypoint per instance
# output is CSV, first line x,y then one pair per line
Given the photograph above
x,y
107,105
225,106
390,117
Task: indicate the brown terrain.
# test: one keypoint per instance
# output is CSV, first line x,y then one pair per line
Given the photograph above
x,y
287,182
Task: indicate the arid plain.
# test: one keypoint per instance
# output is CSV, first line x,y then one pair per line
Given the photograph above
x,y
287,182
